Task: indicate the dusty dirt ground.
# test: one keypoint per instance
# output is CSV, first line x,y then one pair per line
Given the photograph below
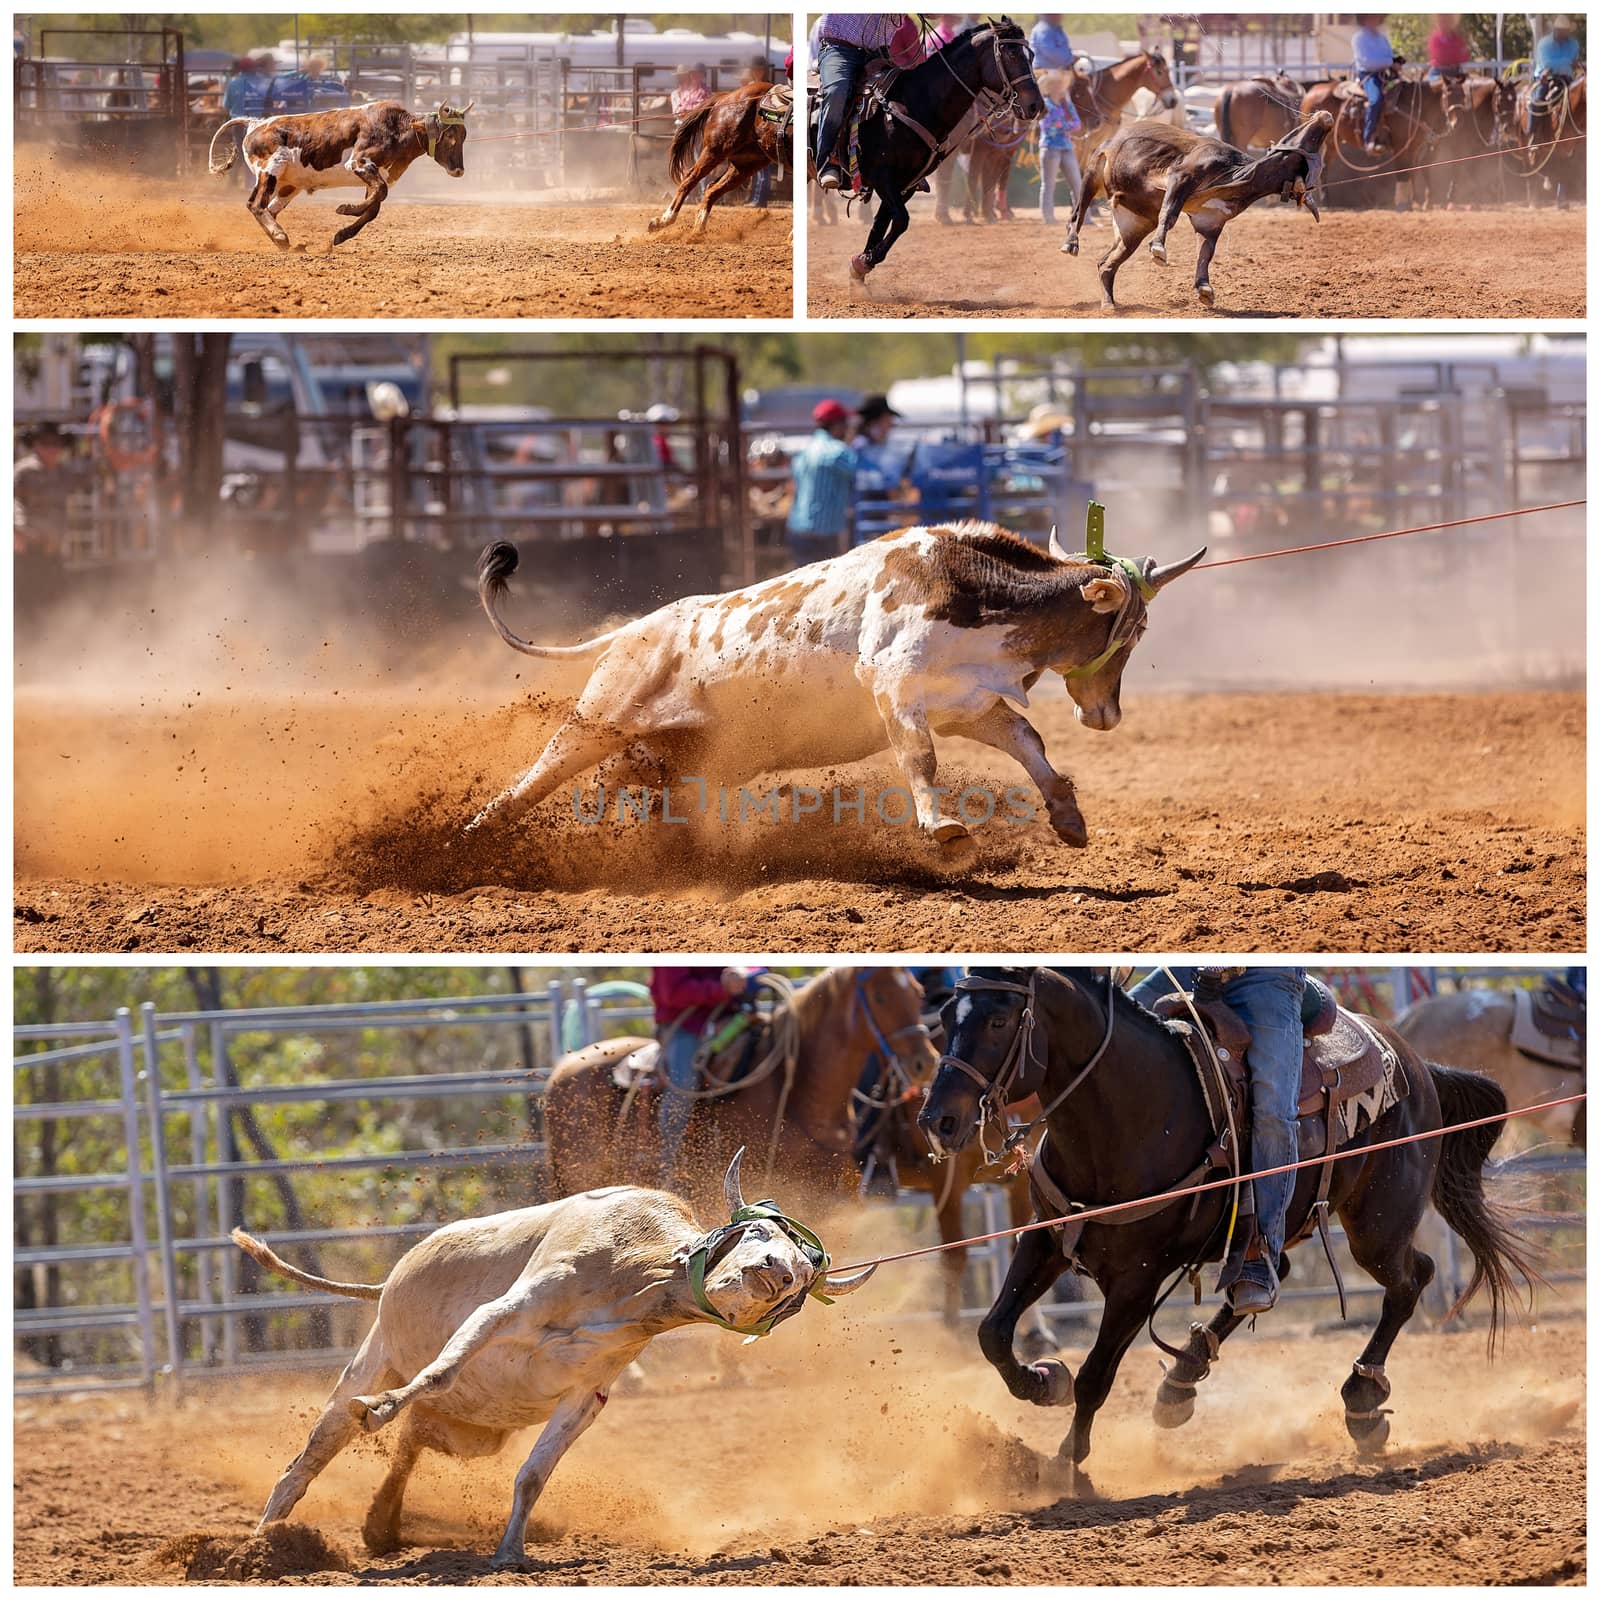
x,y
89,245
330,820
1272,262
849,1450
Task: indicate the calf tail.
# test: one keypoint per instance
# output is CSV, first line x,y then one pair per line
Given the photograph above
x,y
1224,119
273,1263
495,567
681,155
1498,1256
226,161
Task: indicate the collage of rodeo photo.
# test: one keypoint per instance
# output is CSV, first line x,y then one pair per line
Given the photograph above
x,y
799,799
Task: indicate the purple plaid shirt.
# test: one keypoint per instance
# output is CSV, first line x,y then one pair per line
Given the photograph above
x,y
869,30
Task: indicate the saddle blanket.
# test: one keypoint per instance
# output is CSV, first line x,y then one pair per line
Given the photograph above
x,y
1558,1050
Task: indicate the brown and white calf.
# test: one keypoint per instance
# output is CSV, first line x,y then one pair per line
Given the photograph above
x,y
356,147
928,630
499,1323
1154,174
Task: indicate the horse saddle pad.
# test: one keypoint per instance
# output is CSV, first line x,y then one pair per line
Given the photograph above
x,y
777,104
1345,1059
1550,1026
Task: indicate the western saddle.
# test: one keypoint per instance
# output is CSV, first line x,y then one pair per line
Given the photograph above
x,y
1551,1025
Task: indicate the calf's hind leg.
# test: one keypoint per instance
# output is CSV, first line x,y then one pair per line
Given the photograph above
x,y
264,207
1131,228
334,1429
420,1430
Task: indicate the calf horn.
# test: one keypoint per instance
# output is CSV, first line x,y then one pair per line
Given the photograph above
x,y
848,1284
1159,577
732,1192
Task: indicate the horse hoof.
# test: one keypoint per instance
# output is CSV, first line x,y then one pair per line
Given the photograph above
x,y
1069,247
1372,1442
1208,295
860,267
1172,1413
1056,1376
1158,252
950,832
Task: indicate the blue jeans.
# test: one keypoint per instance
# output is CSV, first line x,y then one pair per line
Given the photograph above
x,y
672,1117
1269,999
761,187
1373,85
809,547
838,70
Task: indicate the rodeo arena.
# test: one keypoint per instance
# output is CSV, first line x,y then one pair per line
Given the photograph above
x,y
776,1340
1034,167
516,174
258,706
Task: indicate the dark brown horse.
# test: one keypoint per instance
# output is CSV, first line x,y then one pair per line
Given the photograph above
x,y
1415,115
1255,113
1554,166
1101,96
742,131
1127,1120
1481,113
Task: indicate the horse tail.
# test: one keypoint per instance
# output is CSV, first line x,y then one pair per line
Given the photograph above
x,y
680,157
1498,1255
1224,120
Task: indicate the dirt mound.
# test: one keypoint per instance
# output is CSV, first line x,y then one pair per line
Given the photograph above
x,y
1270,263
285,1550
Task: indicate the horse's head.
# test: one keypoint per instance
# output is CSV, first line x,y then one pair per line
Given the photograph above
x,y
890,1004
447,136
1005,66
1158,79
990,1056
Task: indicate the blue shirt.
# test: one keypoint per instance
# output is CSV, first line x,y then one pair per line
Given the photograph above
x,y
1556,55
1371,49
246,94
1059,123
1051,47
824,485
298,91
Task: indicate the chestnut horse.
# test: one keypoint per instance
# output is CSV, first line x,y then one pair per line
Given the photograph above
x,y
1100,96
735,130
794,1115
1255,113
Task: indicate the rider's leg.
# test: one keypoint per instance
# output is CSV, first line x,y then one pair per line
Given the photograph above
x,y
672,1119
1372,86
838,67
1152,987
1268,998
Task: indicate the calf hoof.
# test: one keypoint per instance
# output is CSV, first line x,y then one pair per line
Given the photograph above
x,y
370,1413
380,1538
1069,247
1056,1377
510,1561
1070,828
1158,252
348,211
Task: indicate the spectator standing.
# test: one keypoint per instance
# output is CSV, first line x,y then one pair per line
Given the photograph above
x,y
824,474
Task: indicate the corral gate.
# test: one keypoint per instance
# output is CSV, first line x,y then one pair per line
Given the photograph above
x,y
159,1294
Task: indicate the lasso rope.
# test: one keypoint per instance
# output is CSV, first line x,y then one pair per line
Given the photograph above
x,y
1089,1213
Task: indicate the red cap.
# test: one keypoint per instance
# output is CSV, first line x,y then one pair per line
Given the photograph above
x,y
826,412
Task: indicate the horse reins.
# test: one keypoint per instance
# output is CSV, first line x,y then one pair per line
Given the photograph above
x,y
997,1090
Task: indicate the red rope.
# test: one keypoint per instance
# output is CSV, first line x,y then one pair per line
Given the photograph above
x,y
1217,1183
1393,533
1455,161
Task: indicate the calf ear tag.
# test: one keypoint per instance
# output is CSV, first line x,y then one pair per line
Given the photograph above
x,y
1094,536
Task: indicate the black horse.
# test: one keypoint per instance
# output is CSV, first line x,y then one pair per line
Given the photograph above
x,y
900,147
1135,1125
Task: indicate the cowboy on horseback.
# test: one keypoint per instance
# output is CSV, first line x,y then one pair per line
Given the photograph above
x,y
1375,63
1269,1001
686,1000
1555,61
847,43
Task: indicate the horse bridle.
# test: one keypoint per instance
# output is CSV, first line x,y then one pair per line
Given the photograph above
x,y
994,1094
1010,98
